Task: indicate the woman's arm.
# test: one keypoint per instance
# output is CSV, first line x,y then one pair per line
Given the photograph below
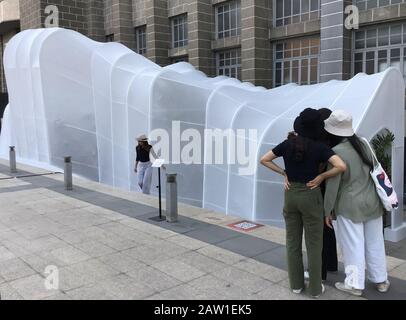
x,y
338,167
155,156
268,161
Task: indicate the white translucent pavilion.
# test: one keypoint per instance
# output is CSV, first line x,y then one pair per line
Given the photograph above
x,y
72,96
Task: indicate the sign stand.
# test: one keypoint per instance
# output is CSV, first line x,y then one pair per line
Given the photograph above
x,y
158,163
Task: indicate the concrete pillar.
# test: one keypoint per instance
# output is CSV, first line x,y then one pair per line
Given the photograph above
x,y
256,49
335,41
158,31
12,158
201,33
171,198
68,180
122,19
95,20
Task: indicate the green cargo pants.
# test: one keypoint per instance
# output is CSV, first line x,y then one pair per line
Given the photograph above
x,y
304,210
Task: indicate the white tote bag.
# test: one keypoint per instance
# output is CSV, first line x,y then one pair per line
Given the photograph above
x,y
383,185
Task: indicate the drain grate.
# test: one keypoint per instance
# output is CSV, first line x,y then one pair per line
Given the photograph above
x,y
245,225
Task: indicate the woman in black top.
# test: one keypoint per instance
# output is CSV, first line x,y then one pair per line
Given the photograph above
x,y
143,165
303,208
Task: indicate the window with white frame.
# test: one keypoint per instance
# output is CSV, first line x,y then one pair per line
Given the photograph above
x,y
228,19
179,31
297,60
378,48
293,11
229,63
141,40
370,4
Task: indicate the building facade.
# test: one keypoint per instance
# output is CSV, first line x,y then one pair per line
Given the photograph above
x,y
266,42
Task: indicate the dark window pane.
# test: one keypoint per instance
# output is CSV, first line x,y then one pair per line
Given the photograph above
x,y
279,8
305,6
314,5
288,8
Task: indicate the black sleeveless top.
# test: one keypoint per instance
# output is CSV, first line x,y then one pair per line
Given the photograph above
x,y
143,153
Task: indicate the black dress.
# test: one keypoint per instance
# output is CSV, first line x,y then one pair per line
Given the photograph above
x,y
329,254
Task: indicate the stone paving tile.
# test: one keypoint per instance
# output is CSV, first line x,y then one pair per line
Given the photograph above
x,y
219,289
201,262
58,297
68,255
9,293
120,287
83,220
86,272
5,254
91,292
14,269
277,292
32,288
94,248
222,255
275,257
212,234
40,260
124,287
399,272
251,283
247,246
187,242
122,262
262,270
73,236
147,254
151,229
179,270
153,278
181,292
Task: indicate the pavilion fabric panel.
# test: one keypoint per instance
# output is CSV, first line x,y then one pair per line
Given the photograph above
x,y
71,96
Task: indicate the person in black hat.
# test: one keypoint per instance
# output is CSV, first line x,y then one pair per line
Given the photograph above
x,y
303,209
329,253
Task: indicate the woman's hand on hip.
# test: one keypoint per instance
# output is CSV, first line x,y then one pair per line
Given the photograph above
x,y
287,183
329,221
316,182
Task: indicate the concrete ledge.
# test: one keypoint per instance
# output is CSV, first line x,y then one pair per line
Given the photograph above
x,y
395,234
178,52
226,43
383,14
295,30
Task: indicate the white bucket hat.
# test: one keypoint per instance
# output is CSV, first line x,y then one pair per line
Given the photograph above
x,y
339,124
142,138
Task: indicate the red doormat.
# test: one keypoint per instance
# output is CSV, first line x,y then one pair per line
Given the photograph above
x,y
245,225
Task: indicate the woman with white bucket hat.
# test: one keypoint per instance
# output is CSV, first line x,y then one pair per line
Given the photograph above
x,y
352,199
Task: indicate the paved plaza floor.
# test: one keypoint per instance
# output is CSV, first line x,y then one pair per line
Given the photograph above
x,y
104,246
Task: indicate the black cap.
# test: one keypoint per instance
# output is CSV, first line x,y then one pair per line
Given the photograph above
x,y
309,124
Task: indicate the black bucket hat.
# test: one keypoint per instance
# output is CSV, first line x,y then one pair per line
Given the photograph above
x,y
309,124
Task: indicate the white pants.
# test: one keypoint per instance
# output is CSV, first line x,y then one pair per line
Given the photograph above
x,y
145,176
362,245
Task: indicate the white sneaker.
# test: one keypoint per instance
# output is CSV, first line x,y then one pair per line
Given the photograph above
x,y
323,289
343,287
297,291
383,287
